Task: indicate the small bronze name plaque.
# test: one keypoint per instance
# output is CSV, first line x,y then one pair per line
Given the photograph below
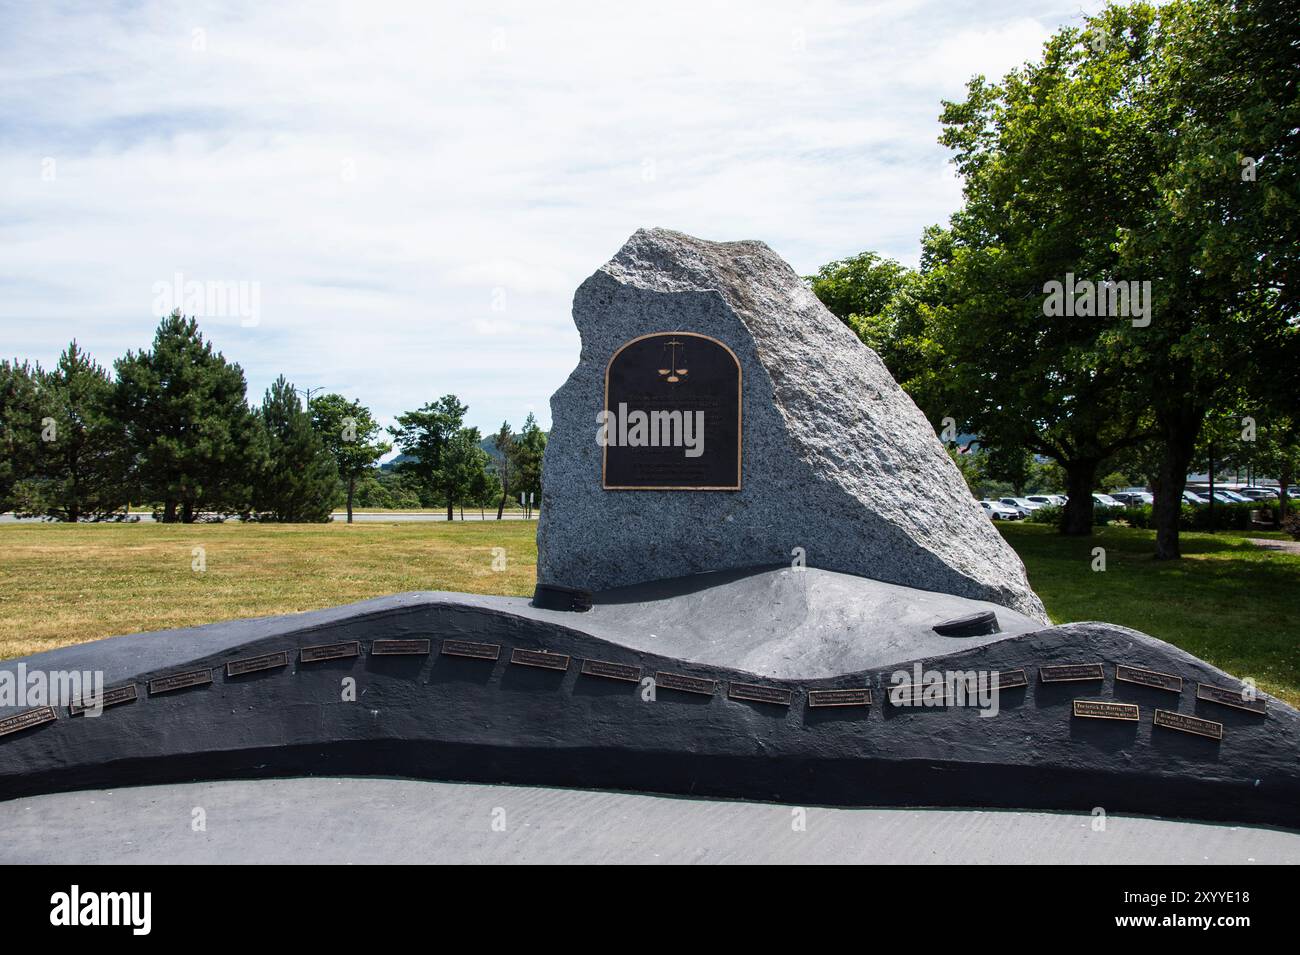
x,y
1152,678
855,696
919,694
119,694
1010,679
1101,710
1225,697
1071,673
684,683
611,671
400,648
476,651
330,651
1189,724
759,694
540,658
267,661
179,681
27,719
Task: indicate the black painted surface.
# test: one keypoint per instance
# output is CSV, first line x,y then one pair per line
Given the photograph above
x,y
452,717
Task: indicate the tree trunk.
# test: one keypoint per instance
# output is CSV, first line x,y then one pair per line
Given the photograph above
x,y
501,507
1080,476
187,512
1179,432
169,512
450,513
352,486
1284,479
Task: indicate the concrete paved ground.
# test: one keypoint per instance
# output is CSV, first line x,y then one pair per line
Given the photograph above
x,y
345,820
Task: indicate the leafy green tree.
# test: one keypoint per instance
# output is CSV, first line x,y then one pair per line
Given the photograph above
x,y
889,306
350,434
299,479
465,476
1048,157
1217,223
19,427
81,464
187,424
858,289
442,454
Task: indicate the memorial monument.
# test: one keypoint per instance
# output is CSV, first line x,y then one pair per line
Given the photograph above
x,y
759,576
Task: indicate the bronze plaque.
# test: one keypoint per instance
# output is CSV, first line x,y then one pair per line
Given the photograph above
x,y
400,648
1103,710
684,683
119,694
671,420
267,661
1152,678
330,651
179,681
914,694
466,648
854,696
759,694
540,658
1189,724
611,671
27,719
1226,697
1010,679
1071,673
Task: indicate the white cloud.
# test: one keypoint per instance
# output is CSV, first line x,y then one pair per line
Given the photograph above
x,y
418,190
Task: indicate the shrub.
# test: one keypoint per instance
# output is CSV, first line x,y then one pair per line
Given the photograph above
x,y
1047,515
1292,525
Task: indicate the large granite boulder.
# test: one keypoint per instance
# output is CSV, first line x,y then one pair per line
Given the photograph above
x,y
837,459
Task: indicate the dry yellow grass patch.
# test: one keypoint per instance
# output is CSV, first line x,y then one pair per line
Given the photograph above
x,y
64,584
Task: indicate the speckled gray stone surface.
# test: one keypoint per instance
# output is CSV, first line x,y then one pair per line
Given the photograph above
x,y
837,459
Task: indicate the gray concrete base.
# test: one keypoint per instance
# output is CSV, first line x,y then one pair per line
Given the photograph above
x,y
349,820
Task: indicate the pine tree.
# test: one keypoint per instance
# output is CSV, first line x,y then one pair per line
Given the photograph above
x,y
19,427
81,463
504,442
299,479
187,424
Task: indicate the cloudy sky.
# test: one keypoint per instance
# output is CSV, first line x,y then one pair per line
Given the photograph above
x,y
410,193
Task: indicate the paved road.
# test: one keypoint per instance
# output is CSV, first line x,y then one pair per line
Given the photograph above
x,y
344,820
359,517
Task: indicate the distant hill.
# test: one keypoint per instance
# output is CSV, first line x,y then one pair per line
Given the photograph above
x,y
486,444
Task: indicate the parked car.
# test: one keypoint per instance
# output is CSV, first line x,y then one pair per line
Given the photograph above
x,y
1191,497
1022,504
1047,500
1221,497
1105,500
998,511
1235,497
1260,493
1134,498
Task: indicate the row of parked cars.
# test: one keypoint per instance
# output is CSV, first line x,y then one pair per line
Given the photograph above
x,y
1018,508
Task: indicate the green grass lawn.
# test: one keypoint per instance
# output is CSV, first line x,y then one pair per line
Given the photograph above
x,y
1227,602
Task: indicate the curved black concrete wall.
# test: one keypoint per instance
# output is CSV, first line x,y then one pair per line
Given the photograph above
x,y
433,715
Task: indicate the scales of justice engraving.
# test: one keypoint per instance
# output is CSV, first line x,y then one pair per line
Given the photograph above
x,y
671,419
672,374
